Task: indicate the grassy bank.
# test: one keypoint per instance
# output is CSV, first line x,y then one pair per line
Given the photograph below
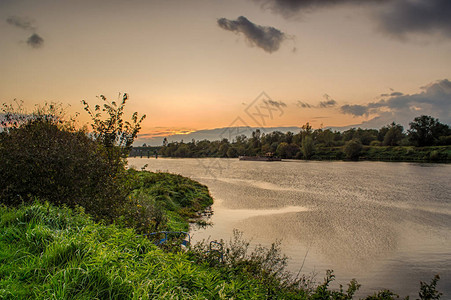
x,y
55,253
49,252
172,199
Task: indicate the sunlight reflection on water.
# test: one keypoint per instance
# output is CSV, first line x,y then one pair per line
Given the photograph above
x,y
386,224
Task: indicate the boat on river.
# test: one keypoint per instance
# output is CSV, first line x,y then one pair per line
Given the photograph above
x,y
268,157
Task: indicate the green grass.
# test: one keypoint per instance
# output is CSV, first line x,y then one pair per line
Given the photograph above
x,y
55,253
47,252
164,201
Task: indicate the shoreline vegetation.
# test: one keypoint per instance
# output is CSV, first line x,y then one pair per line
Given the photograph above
x,y
429,154
427,140
73,219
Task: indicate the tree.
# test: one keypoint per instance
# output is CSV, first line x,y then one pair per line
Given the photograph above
x,y
426,131
282,150
394,135
352,149
326,137
306,130
307,147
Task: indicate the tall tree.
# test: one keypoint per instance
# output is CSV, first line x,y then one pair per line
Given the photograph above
x,y
393,135
426,130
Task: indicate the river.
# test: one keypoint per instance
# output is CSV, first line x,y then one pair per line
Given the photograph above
x,y
386,224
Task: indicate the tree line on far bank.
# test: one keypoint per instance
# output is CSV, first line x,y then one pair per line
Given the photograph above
x,y
323,143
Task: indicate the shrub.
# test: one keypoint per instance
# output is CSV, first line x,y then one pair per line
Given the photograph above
x,y
43,159
375,143
45,156
429,291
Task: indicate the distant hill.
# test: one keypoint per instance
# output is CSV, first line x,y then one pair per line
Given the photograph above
x,y
231,132
213,134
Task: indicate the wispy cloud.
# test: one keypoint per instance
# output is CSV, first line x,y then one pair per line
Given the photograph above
x,y
303,104
21,23
265,37
328,102
34,40
392,94
275,103
164,132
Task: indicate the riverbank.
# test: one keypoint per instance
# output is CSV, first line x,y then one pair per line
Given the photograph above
x,y
173,199
434,154
47,252
57,253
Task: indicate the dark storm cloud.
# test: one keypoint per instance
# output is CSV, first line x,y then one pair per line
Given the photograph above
x,y
35,41
426,16
435,99
395,17
20,23
291,7
265,37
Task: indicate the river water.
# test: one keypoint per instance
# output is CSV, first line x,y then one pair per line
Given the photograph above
x,y
386,224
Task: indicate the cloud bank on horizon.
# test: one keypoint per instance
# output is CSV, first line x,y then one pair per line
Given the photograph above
x,y
265,37
434,100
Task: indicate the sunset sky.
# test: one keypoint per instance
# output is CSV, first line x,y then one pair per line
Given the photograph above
x,y
192,65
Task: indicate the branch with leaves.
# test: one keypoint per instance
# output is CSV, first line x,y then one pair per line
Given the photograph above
x,y
113,131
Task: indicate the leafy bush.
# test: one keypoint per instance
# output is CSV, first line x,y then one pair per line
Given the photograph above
x,y
44,155
267,266
43,159
429,291
114,133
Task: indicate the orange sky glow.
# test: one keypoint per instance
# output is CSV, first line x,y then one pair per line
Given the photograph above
x,y
192,65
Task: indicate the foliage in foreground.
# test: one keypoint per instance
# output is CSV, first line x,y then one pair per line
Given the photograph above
x,y
44,158
45,155
48,252
52,253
